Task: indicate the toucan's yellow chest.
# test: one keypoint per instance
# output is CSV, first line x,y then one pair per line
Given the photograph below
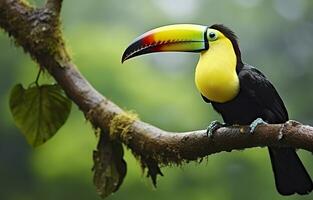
x,y
216,76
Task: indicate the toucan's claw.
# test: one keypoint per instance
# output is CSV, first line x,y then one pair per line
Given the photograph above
x,y
213,126
255,124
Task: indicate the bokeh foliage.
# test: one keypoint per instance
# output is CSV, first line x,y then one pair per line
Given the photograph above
x,y
275,36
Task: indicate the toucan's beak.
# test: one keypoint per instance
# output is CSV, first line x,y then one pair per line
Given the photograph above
x,y
179,38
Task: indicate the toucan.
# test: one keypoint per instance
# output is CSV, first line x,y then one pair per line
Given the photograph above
x,y
239,92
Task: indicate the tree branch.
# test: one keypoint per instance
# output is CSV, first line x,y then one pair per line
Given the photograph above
x,y
168,147
37,30
54,5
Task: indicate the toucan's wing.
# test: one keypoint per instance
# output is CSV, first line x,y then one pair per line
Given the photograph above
x,y
290,174
256,85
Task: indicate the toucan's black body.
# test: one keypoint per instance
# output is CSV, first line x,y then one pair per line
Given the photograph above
x,y
258,98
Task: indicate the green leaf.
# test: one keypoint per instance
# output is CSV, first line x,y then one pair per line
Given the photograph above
x,y
109,166
39,111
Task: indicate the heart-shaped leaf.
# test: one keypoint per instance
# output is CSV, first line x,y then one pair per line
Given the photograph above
x,y
39,111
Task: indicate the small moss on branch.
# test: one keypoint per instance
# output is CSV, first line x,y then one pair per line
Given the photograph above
x,y
120,125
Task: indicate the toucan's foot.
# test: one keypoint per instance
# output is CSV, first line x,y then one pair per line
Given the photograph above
x,y
213,126
255,124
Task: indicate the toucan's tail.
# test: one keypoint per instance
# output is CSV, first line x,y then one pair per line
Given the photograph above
x,y
290,174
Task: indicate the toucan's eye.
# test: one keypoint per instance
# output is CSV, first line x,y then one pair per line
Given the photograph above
x,y
212,36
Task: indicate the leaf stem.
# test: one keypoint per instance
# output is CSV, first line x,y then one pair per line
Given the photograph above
x,y
37,77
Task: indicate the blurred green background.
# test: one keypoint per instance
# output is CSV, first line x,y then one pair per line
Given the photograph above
x,y
275,36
